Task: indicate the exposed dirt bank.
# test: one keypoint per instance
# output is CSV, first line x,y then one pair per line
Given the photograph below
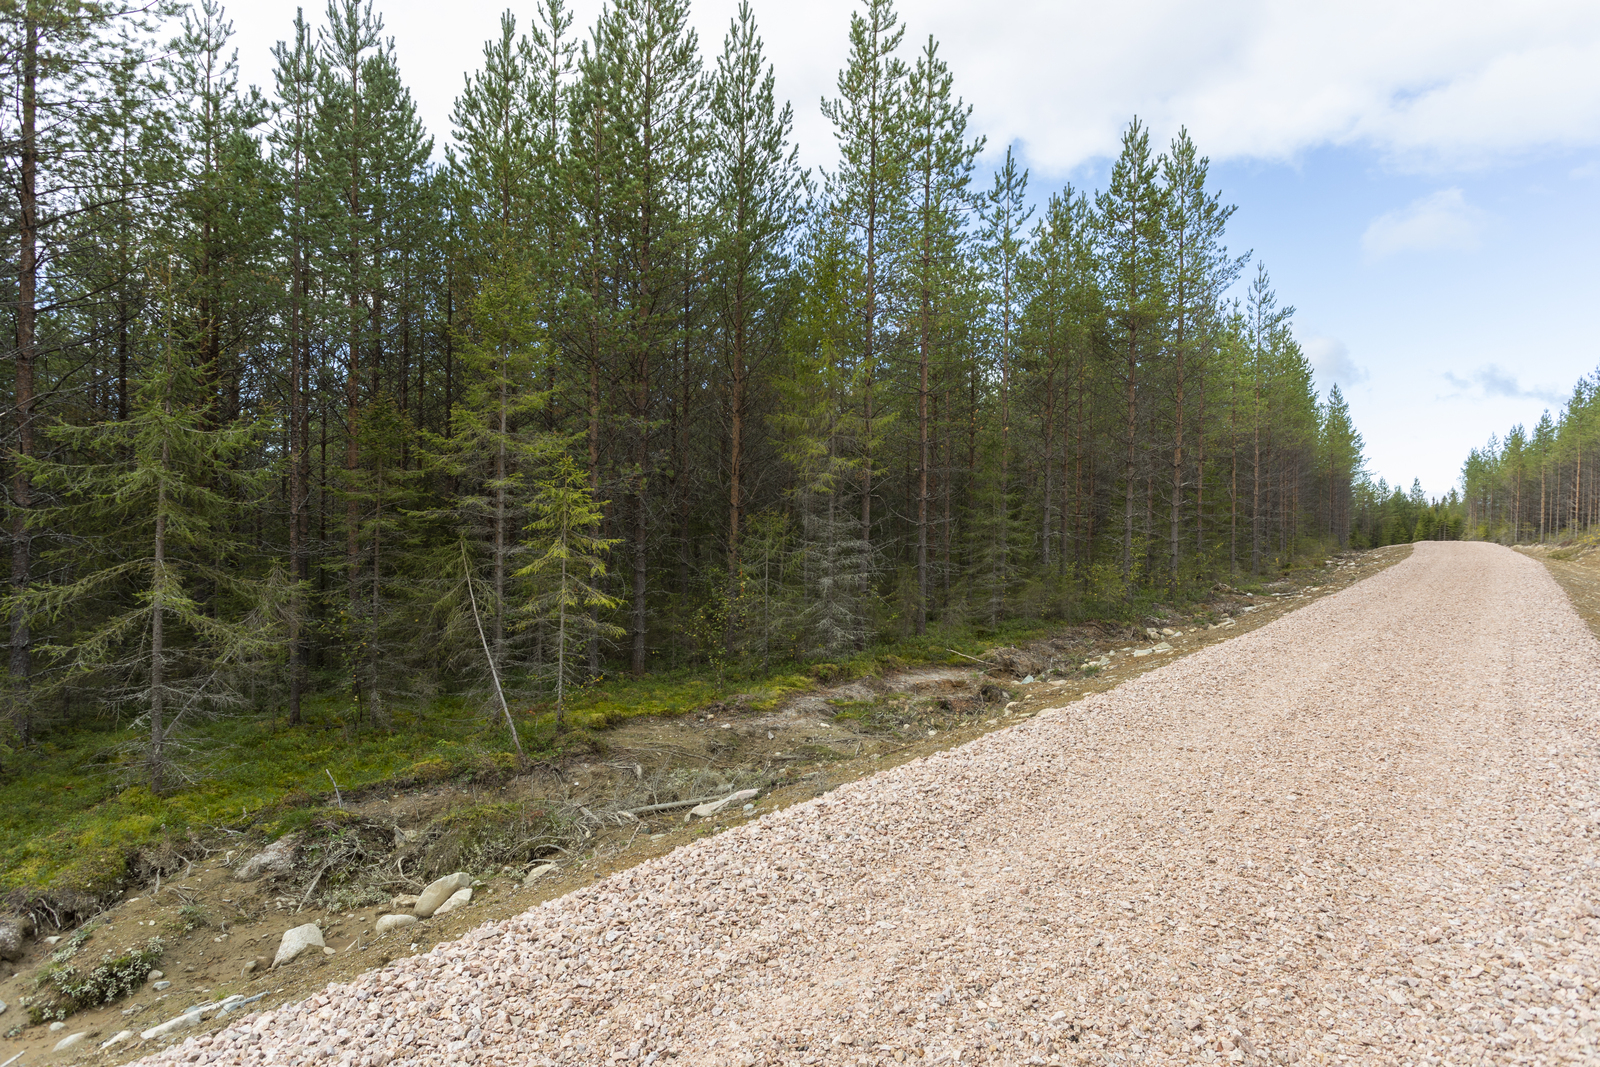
x,y
804,748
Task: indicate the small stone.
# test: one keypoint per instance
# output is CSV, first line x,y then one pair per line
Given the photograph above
x,y
57,1026
403,903
1028,680
545,868
327,950
297,941
250,968
457,899
748,808
159,986
277,858
53,939
387,923
2,1007
156,974
439,891
71,1041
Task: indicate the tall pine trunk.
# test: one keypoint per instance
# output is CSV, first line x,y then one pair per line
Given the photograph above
x,y
23,385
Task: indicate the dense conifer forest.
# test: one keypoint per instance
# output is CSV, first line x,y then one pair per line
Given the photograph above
x,y
309,402
1538,485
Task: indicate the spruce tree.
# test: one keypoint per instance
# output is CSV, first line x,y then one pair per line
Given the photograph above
x,y
60,58
568,563
493,167
162,614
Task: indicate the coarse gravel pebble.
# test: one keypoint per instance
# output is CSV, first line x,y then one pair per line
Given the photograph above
x,y
1365,832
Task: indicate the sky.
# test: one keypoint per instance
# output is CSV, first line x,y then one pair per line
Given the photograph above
x,y
1422,179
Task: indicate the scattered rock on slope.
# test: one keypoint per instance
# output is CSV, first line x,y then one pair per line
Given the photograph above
x,y
297,941
277,858
440,891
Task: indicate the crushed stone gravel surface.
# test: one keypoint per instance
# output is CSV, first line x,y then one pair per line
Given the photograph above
x,y
1366,832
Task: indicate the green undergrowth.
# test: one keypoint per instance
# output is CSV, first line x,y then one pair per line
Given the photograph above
x,y
75,830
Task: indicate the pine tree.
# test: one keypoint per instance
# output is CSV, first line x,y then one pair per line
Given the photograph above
x,y
756,185
304,208
1005,216
1130,217
939,167
1200,270
868,191
369,145
647,94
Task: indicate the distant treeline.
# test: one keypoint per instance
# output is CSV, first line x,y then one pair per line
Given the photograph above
x,y
283,375
1539,485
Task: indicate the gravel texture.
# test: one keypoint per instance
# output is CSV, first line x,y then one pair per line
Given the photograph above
x,y
1366,832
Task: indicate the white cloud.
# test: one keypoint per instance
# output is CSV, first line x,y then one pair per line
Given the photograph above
x,y
1331,363
1425,82
1437,222
1495,381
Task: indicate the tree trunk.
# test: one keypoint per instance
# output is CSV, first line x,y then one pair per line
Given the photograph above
x,y
23,385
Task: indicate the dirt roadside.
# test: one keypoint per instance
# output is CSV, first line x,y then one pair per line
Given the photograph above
x,y
215,927
1576,569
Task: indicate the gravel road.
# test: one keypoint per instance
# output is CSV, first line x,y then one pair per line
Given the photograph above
x,y
1366,832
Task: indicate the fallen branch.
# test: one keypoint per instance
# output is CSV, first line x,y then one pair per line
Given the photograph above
x,y
974,659
652,808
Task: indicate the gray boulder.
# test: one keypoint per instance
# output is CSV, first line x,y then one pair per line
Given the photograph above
x,y
277,858
297,941
13,938
387,923
439,891
457,899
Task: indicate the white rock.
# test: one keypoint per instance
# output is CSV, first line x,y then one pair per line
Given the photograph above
x,y
57,1026
545,868
439,891
276,858
393,922
297,941
189,1019
72,1041
403,903
116,1039
711,807
457,899
2,1007
154,975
